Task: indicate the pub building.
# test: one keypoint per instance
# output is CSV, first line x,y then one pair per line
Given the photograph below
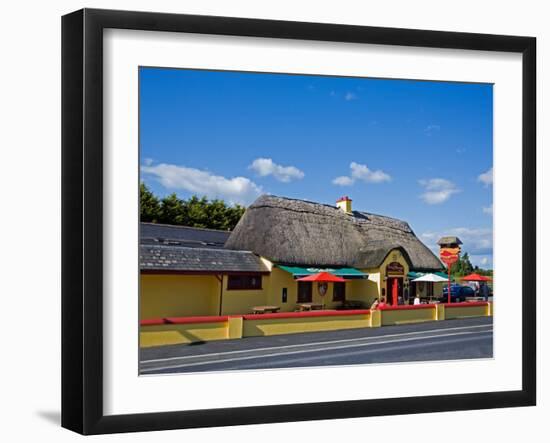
x,y
279,241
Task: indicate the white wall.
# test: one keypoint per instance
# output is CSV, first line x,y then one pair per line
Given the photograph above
x,y
30,208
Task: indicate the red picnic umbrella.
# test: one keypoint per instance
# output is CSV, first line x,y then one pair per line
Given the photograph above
x,y
476,277
322,277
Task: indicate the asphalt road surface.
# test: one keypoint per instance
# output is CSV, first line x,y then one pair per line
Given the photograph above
x,y
448,340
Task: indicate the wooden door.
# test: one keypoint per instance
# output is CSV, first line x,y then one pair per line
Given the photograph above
x,y
305,292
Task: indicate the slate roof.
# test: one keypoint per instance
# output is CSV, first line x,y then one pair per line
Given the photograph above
x,y
155,257
154,233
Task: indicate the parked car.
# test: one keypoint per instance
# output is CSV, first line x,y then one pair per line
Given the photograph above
x,y
458,293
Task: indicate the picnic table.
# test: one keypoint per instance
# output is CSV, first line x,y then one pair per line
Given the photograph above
x,y
264,309
309,306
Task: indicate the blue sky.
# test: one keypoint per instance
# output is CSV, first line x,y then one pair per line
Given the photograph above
x,y
416,150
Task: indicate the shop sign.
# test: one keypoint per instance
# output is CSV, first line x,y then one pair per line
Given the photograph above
x,y
395,268
449,256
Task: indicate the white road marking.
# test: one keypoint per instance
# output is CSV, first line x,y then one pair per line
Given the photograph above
x,y
355,352
276,354
241,351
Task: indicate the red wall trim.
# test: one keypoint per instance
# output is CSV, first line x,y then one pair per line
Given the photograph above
x,y
152,322
465,304
407,307
202,319
182,320
306,314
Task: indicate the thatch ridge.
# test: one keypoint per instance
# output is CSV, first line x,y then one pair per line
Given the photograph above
x,y
301,232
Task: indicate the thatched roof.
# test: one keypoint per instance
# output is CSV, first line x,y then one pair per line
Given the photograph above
x,y
299,232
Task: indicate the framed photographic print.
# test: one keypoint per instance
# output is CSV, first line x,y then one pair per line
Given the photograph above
x,y
312,220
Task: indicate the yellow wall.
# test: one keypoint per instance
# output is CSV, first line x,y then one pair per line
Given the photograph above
x,y
236,327
402,316
466,311
275,282
161,335
241,301
365,290
164,295
254,328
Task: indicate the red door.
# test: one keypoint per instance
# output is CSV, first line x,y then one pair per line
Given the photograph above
x,y
394,291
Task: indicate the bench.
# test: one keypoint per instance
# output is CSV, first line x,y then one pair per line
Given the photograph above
x,y
264,309
309,306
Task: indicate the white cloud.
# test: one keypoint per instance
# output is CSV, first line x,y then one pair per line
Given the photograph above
x,y
265,166
488,210
343,181
476,241
347,96
486,178
437,190
350,96
235,190
362,173
484,261
430,129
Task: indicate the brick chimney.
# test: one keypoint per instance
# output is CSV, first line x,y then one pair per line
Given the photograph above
x,y
344,204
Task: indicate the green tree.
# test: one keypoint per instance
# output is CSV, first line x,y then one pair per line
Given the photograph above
x,y
195,212
467,267
172,210
463,266
233,216
197,215
149,205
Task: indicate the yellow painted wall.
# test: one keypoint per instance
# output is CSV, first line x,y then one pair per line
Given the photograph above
x,y
278,280
165,295
402,316
466,311
254,328
241,301
235,325
161,335
365,290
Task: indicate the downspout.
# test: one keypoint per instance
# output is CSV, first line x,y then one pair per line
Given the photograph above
x,y
220,279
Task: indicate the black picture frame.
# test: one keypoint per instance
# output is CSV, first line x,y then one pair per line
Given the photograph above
x,y
82,218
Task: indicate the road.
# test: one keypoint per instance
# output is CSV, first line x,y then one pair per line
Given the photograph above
x,y
448,340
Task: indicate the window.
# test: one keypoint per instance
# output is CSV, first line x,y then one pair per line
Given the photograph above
x,y
339,293
244,282
305,292
285,295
